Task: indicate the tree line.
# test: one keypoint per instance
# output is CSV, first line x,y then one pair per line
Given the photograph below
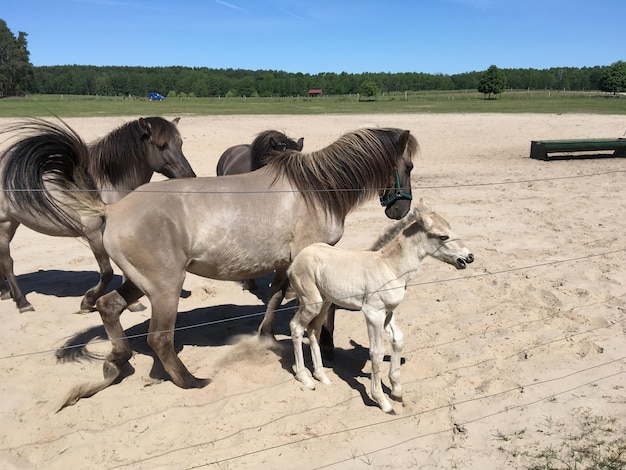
x,y
18,77
207,82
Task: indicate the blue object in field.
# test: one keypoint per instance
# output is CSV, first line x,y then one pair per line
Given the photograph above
x,y
153,96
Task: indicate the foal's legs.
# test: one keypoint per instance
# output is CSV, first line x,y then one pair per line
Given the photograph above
x,y
314,333
375,330
309,317
7,275
397,342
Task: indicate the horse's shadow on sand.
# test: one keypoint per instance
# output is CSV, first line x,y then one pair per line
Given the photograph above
x,y
59,283
217,325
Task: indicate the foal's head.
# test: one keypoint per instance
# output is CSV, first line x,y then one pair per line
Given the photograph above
x,y
440,241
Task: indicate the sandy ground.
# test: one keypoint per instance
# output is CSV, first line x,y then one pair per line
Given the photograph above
x,y
510,363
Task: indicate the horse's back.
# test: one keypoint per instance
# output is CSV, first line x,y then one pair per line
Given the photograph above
x,y
235,160
215,227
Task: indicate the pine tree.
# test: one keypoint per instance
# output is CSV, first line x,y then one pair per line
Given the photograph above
x,y
15,66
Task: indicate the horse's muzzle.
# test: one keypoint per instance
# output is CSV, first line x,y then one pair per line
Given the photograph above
x,y
461,263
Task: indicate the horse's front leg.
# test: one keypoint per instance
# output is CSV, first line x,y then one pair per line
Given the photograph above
x,y
280,283
397,343
7,275
164,305
94,238
375,331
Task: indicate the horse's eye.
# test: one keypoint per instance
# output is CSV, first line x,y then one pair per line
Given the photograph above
x,y
165,146
443,238
409,168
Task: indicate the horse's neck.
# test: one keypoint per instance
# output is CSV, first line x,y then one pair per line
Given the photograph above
x,y
121,175
404,255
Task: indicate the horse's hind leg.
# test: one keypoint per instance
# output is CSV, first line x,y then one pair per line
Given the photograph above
x,y
161,338
327,342
110,307
7,275
280,283
106,271
397,342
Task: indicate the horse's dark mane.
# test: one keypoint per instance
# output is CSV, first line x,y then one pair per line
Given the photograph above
x,y
114,156
262,146
344,174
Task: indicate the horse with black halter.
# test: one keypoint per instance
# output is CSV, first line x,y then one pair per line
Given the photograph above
x,y
230,228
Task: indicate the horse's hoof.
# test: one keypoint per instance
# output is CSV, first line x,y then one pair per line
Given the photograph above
x,y
136,307
397,399
27,308
83,311
199,383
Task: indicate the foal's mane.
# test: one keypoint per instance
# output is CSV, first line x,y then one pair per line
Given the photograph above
x,y
393,231
117,156
347,172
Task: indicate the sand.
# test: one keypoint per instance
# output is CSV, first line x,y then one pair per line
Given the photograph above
x,y
507,364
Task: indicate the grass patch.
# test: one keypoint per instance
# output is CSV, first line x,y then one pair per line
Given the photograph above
x,y
417,102
588,441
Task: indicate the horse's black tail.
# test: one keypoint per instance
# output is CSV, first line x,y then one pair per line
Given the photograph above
x,y
45,170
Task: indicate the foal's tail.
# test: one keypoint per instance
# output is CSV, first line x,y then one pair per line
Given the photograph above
x,y
44,172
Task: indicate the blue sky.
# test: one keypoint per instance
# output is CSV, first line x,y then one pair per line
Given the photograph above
x,y
314,36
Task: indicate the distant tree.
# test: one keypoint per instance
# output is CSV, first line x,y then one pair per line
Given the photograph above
x,y
15,67
493,81
368,89
613,78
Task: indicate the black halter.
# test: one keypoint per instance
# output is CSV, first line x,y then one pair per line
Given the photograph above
x,y
399,194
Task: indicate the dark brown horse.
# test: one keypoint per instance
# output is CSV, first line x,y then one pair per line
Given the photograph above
x,y
235,228
45,158
245,158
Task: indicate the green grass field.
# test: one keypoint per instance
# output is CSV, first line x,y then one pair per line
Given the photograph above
x,y
417,102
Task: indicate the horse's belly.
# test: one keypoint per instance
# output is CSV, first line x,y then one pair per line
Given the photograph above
x,y
235,267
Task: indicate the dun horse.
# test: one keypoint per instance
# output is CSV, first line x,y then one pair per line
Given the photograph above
x,y
236,228
36,168
245,158
372,281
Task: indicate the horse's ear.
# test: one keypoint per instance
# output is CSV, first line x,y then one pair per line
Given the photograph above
x,y
403,140
300,144
146,126
175,121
